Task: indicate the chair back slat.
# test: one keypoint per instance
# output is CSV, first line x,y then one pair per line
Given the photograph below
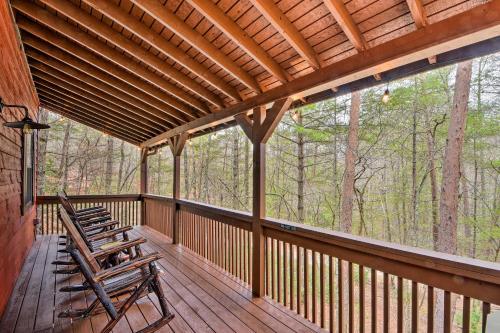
x,y
63,199
78,240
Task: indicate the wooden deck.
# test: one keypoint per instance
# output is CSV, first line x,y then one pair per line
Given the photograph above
x,y
203,297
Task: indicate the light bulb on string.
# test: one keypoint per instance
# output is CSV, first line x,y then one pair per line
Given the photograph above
x,y
386,97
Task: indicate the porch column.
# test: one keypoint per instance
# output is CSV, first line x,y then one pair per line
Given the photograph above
x,y
143,182
259,129
176,145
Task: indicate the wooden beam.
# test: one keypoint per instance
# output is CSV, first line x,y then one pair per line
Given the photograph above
x,y
49,90
43,85
286,28
346,23
273,118
432,59
161,44
194,38
82,88
95,124
417,12
114,56
479,23
125,95
245,123
213,13
138,28
90,112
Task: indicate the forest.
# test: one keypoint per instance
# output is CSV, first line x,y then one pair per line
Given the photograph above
x,y
389,142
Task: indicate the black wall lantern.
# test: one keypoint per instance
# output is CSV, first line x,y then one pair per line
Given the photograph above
x,y
26,124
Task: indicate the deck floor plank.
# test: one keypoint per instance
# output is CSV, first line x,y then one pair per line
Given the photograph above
x,y
26,319
203,297
46,302
9,319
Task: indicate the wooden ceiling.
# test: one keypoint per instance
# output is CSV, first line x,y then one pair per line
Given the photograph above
x,y
138,69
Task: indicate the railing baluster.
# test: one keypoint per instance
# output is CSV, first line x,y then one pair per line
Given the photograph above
x,y
322,289
430,309
361,269
414,307
299,279
332,294
400,305
306,284
340,284
386,302
279,269
466,315
314,292
485,312
447,312
350,282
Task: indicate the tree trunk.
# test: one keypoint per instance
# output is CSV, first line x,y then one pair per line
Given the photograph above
x,y
247,173
433,180
64,156
120,169
350,164
236,170
300,169
109,165
335,172
414,169
186,172
348,184
447,232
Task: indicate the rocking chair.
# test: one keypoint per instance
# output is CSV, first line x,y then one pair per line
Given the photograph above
x,y
135,277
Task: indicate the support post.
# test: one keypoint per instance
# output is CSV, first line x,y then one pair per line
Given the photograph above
x,y
143,182
259,129
176,145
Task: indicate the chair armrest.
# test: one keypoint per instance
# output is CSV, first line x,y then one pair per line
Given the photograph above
x,y
108,234
126,266
93,227
118,248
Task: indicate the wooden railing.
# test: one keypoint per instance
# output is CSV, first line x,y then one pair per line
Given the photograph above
x,y
125,208
158,213
341,282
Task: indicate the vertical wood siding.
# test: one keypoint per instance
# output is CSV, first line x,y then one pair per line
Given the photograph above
x,y
16,87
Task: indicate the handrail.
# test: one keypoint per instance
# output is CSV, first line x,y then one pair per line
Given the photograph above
x,y
472,268
125,208
88,198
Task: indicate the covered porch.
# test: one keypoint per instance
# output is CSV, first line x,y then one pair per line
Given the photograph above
x,y
159,74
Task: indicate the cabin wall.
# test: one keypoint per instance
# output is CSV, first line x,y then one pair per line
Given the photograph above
x,y
16,87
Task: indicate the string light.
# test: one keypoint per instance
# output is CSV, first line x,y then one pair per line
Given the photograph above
x,y
386,97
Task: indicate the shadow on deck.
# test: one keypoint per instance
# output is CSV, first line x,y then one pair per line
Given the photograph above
x,y
203,297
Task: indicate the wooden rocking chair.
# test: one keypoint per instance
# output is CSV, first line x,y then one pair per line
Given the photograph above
x,y
103,244
135,277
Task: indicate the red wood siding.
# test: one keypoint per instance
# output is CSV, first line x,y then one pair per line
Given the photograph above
x,y
16,87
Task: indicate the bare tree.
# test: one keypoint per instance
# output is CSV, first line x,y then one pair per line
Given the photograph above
x,y
350,161
447,231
